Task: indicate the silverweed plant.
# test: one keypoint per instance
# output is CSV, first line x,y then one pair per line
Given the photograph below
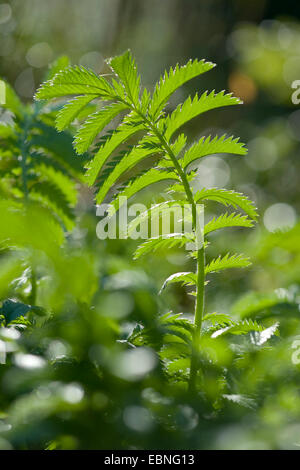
x,y
115,157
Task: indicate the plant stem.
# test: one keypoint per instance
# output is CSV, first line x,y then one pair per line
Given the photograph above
x,y
24,154
199,308
199,304
200,283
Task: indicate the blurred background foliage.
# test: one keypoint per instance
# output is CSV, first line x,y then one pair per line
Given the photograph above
x,y
69,301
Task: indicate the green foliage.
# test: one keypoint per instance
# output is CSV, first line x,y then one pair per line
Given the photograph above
x,y
162,243
71,110
227,262
173,80
228,197
209,146
124,132
12,310
104,367
88,345
35,163
147,116
125,69
95,124
193,107
186,278
225,220
75,80
154,175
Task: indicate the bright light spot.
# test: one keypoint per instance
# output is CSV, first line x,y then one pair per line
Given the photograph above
x,y
4,427
243,42
117,305
137,418
135,364
237,438
72,393
9,333
268,34
242,86
212,172
4,444
279,217
78,233
188,418
29,361
92,60
153,396
39,55
127,279
2,92
291,70
43,392
262,154
56,350
2,352
288,437
24,83
285,36
5,13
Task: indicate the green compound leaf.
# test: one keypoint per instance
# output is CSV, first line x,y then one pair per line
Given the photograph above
x,y
125,68
185,278
70,111
173,80
193,107
228,197
208,146
227,262
75,81
95,124
225,220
